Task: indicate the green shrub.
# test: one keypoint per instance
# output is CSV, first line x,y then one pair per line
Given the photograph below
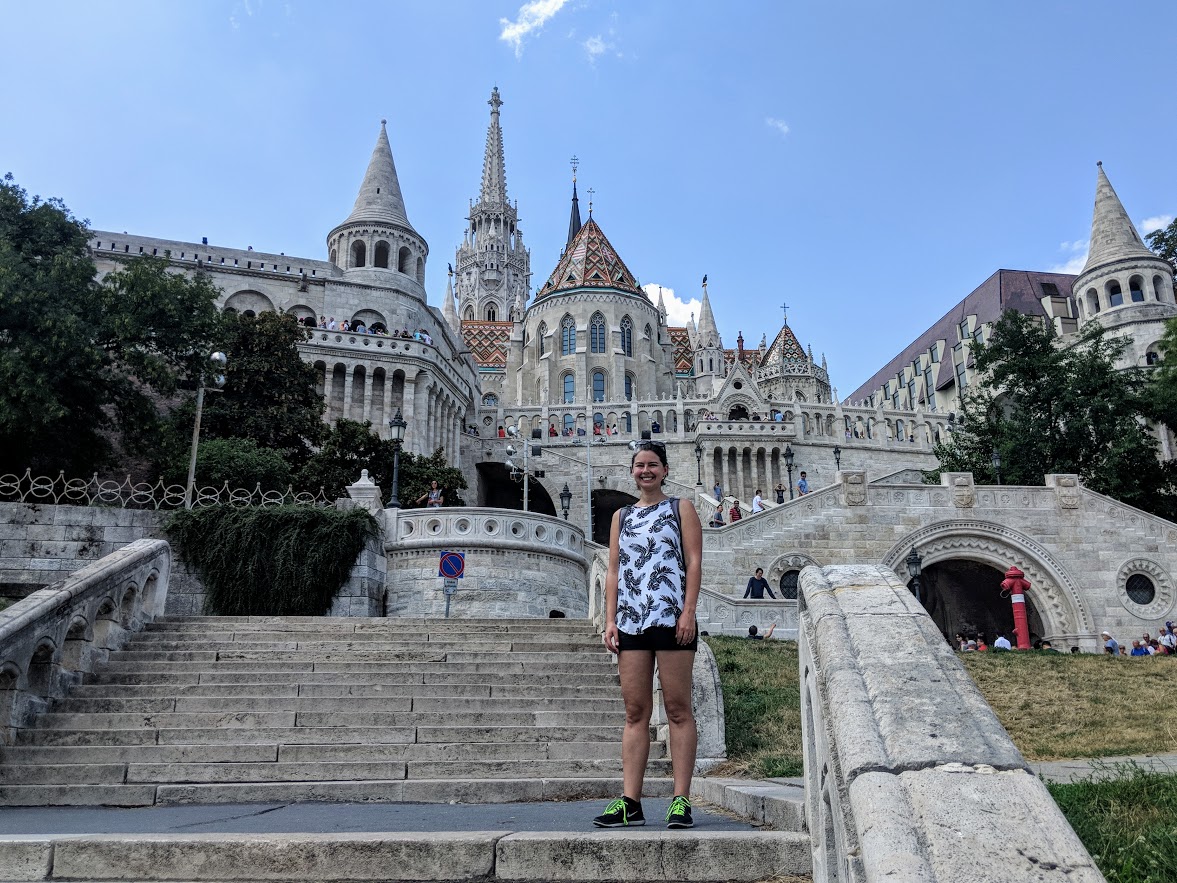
x,y
240,462
278,561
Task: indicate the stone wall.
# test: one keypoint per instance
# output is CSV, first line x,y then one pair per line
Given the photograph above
x,y
517,564
908,773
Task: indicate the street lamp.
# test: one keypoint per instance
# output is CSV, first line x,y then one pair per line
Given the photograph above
x,y
995,459
397,424
699,462
565,500
837,458
789,467
218,360
914,568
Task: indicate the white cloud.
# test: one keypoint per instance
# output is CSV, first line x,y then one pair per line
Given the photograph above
x,y
595,47
1073,266
1077,245
532,17
1158,222
780,125
678,312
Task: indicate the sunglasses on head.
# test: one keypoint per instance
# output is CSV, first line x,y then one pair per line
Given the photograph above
x,y
651,445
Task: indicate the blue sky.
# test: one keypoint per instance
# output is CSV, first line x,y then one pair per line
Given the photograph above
x,y
868,163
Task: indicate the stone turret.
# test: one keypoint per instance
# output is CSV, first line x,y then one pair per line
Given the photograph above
x,y
492,265
376,241
709,356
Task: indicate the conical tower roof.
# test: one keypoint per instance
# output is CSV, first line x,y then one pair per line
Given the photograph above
x,y
1113,235
708,331
574,224
590,261
380,200
494,175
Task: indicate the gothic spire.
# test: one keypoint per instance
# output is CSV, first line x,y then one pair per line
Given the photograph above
x,y
380,199
449,310
494,175
708,331
1113,235
574,224
662,306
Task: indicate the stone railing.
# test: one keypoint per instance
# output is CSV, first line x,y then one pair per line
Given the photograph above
x,y
908,773
127,494
55,635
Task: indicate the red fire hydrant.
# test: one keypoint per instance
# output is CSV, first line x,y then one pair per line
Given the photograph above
x,y
1014,586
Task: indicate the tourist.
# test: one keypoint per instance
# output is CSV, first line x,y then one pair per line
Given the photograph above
x,y
345,326
433,496
502,432
982,647
650,617
757,502
1002,642
1138,649
655,427
716,517
754,633
331,326
552,431
779,490
323,322
718,492
734,514
1167,638
1110,645
802,485
757,586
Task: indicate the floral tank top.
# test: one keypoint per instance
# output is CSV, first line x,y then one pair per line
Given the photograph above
x,y
651,575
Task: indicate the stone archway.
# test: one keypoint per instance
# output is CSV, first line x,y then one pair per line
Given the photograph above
x,y
964,596
1053,593
499,491
606,501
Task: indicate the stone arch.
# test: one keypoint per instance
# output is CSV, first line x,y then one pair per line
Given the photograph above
x,y
1136,288
1054,593
469,313
39,675
784,564
369,317
78,640
248,301
301,312
403,260
9,680
359,253
127,606
380,254
421,270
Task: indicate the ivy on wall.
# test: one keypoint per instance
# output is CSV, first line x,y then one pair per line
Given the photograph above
x,y
276,561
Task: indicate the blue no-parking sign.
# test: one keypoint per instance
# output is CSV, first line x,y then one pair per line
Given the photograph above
x,y
452,565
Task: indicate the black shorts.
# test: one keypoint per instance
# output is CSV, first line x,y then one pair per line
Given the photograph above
x,y
655,638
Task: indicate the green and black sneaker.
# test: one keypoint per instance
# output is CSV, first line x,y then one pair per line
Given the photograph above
x,y
623,813
679,814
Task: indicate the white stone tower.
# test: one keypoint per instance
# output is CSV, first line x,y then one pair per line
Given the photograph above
x,y
377,243
1123,285
492,265
709,356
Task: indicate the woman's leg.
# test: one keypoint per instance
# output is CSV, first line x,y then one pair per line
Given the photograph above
x,y
674,674
636,669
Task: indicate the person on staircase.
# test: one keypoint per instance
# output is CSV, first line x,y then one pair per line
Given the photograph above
x,y
651,592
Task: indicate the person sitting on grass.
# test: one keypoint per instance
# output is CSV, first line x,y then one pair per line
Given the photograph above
x,y
754,633
1138,649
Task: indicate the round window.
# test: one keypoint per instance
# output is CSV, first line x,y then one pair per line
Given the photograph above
x,y
1140,589
739,384
789,584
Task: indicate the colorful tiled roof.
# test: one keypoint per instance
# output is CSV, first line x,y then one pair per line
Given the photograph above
x,y
786,348
591,262
684,362
488,342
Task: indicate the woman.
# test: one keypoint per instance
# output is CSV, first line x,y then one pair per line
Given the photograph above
x,y
433,496
652,588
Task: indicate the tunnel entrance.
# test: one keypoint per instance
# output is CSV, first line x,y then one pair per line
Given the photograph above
x,y
965,596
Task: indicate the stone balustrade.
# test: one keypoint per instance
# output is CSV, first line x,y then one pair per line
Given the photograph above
x,y
57,634
908,774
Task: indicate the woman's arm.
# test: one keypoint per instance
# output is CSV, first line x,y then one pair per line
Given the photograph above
x,y
692,542
611,585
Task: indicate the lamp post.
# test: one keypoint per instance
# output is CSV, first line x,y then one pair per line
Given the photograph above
x,y
699,463
397,424
565,500
218,360
914,568
789,467
995,459
837,458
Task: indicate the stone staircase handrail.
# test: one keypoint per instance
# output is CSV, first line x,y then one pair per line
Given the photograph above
x,y
57,634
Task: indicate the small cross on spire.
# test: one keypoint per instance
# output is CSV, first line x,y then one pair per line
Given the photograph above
x,y
785,310
575,163
590,192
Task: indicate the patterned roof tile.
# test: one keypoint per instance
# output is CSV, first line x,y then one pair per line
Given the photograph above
x,y
488,342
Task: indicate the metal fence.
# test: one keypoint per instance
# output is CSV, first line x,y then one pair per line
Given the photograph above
x,y
127,494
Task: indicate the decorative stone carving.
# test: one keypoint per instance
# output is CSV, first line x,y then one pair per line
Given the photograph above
x,y
1066,488
366,493
1161,604
854,487
964,494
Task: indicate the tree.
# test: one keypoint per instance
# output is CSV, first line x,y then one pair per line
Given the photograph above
x,y
269,394
352,446
1162,385
82,359
1046,408
237,462
1164,242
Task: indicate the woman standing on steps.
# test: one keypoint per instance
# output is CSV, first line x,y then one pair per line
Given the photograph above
x,y
652,588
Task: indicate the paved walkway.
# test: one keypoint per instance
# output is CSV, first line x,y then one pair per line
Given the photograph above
x,y
1102,767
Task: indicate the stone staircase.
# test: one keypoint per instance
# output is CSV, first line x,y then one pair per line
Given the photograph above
x,y
200,710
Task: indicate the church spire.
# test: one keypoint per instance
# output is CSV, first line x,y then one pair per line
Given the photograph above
x,y
708,331
1113,235
449,310
379,199
494,175
574,224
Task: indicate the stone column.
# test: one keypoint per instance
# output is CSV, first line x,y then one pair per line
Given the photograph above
x,y
369,388
348,370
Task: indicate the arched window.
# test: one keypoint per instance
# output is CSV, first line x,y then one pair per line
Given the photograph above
x,y
598,421
568,336
627,337
402,259
380,255
569,388
469,313
359,253
1115,294
649,332
1158,286
597,333
1152,357
490,400
335,257
598,386
629,387
1136,289
540,334
569,422
1092,301
628,421
711,366
789,584
490,314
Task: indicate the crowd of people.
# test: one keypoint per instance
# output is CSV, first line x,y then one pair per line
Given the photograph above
x,y
358,327
1164,644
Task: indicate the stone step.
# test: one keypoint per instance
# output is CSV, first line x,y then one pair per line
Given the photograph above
x,y
340,690
347,664
315,753
338,719
343,655
322,735
443,676
647,854
388,625
430,648
248,703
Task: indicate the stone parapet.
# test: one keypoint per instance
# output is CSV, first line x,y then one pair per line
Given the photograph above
x,y
909,775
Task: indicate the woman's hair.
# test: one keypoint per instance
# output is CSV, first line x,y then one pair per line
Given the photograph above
x,y
659,449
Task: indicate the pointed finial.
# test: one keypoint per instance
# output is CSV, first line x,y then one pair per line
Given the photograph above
x,y
575,163
383,123
495,102
590,192
785,310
